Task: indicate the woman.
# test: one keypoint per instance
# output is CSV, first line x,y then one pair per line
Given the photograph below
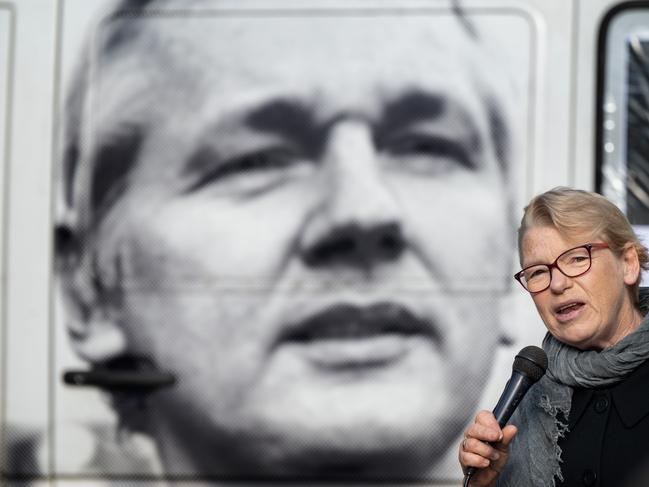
x,y
586,421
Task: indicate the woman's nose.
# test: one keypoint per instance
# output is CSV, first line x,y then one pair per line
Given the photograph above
x,y
359,219
559,282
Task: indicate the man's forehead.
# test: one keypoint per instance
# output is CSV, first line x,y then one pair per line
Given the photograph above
x,y
229,46
342,54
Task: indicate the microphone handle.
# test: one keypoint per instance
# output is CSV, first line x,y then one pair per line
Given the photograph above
x,y
511,397
515,389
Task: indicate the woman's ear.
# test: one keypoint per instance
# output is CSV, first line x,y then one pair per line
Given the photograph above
x,y
631,264
89,310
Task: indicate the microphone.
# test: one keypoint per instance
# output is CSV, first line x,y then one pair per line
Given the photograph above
x,y
529,366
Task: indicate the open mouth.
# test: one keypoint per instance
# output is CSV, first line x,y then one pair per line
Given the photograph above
x,y
568,310
346,335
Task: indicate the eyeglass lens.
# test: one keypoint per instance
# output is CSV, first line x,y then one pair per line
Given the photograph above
x,y
572,263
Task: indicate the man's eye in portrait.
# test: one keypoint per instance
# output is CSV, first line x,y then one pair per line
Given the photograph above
x,y
247,174
430,154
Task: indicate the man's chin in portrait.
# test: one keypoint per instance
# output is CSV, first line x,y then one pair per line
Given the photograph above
x,y
309,230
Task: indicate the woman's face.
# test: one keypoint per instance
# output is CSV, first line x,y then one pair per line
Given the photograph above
x,y
591,311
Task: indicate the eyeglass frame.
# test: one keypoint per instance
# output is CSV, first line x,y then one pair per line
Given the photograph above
x,y
554,265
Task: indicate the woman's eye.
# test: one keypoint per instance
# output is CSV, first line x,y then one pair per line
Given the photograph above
x,y
535,274
431,149
578,259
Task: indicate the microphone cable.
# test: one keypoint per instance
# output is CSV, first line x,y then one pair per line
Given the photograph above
x,y
467,479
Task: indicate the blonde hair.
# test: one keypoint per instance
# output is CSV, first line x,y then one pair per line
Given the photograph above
x,y
574,211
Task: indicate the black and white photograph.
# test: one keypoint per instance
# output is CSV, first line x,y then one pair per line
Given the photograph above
x,y
278,238
304,217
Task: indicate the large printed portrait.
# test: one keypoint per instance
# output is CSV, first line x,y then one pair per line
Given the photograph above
x,y
284,235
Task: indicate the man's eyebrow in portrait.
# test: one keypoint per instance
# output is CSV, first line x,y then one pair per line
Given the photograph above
x,y
412,107
296,121
296,124
290,124
417,107
287,117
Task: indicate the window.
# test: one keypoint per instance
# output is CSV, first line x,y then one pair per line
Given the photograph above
x,y
623,111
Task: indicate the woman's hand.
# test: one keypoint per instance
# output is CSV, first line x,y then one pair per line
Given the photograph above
x,y
488,459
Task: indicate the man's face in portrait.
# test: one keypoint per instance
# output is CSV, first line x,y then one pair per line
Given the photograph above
x,y
311,235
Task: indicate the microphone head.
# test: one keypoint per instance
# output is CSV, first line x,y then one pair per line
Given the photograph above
x,y
532,362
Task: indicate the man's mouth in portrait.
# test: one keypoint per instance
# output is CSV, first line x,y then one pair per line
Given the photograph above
x,y
353,337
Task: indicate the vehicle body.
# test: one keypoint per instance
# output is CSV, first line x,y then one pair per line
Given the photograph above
x,y
571,57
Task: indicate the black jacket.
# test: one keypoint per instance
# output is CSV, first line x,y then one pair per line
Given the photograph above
x,y
608,440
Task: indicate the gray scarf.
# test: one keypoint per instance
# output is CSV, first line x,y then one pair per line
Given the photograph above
x,y
535,455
